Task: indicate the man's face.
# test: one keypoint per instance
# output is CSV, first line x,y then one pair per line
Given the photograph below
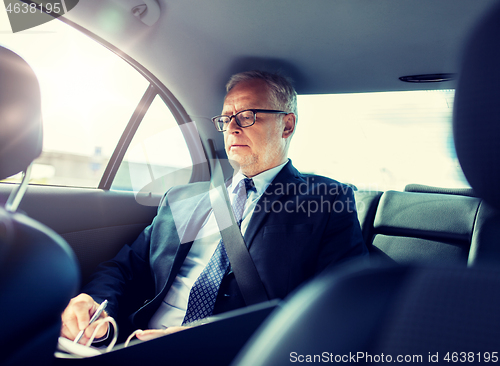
x,y
262,146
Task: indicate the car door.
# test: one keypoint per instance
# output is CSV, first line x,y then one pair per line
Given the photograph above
x,y
115,140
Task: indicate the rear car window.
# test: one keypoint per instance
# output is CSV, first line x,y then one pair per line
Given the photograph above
x,y
378,141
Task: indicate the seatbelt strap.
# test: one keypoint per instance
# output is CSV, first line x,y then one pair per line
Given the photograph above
x,y
245,273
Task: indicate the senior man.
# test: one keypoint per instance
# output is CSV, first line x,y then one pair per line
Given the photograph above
x,y
294,226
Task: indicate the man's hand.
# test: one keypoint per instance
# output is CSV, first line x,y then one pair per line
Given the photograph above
x,y
76,317
149,334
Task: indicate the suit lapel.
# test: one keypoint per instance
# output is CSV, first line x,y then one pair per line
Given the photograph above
x,y
274,192
189,207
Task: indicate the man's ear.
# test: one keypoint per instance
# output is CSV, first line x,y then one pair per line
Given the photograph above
x,y
289,125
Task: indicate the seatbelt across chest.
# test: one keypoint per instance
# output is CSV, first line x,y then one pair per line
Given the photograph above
x,y
245,272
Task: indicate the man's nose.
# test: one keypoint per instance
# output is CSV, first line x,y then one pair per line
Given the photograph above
x,y
232,126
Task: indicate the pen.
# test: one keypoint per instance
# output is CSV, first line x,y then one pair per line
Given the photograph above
x,y
96,315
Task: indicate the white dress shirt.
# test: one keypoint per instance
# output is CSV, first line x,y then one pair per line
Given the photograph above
x,y
173,308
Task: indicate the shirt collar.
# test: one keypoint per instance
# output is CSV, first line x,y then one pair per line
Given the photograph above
x,y
261,180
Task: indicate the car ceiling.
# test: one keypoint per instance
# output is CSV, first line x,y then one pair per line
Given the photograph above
x,y
327,46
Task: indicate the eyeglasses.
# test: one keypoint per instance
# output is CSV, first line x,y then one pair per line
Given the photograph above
x,y
243,119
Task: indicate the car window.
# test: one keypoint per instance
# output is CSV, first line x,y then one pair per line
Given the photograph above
x,y
378,141
89,95
158,157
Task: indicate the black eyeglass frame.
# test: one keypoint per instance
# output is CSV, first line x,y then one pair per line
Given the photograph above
x,y
255,111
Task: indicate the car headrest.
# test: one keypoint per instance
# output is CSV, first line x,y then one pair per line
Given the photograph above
x,y
20,114
476,121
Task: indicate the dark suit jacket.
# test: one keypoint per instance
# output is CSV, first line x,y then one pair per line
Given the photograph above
x,y
301,225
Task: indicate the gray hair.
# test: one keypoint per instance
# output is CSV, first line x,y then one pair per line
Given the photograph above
x,y
281,91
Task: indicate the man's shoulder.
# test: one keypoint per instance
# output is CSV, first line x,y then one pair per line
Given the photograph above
x,y
186,191
200,187
321,179
292,182
315,184
292,174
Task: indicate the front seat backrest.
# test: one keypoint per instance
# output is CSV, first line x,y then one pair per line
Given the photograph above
x,y
38,270
476,129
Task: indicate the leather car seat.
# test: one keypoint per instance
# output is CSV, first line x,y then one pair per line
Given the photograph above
x,y
38,270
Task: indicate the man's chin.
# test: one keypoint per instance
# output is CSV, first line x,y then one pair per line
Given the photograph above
x,y
240,162
235,164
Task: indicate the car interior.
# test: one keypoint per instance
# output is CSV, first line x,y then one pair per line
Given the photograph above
x,y
432,288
